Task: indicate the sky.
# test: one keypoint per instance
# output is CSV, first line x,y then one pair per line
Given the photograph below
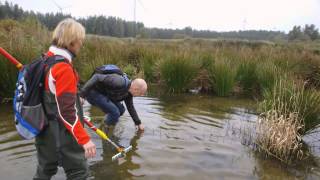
x,y
218,15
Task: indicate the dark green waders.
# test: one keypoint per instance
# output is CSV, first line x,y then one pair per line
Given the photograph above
x,y
57,147
69,155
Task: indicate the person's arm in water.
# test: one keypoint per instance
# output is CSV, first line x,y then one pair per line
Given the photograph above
x,y
132,111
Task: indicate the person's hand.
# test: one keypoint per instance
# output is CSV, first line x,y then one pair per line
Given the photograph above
x,y
89,149
140,127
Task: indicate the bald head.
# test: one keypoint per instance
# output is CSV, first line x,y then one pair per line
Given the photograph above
x,y
138,87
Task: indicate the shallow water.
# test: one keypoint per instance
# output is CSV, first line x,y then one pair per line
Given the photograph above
x,y
186,137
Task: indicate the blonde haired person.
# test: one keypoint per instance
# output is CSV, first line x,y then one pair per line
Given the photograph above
x,y
64,142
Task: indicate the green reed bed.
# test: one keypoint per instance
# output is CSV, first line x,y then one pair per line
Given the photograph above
x,y
178,71
247,75
223,77
251,67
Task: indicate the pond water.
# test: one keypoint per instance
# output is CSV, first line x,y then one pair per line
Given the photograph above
x,y
186,137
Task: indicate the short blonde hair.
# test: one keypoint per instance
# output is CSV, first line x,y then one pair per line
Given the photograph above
x,y
67,32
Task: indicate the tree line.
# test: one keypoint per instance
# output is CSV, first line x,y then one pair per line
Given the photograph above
x,y
117,27
308,32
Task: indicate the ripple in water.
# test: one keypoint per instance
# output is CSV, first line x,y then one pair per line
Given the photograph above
x,y
186,137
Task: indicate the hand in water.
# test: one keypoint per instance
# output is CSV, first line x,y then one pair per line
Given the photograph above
x,y
140,127
89,149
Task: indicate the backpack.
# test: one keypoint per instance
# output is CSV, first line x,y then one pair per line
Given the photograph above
x,y
108,69
113,69
29,112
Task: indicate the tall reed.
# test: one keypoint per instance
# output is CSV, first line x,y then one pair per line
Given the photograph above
x,y
178,71
267,74
247,75
222,75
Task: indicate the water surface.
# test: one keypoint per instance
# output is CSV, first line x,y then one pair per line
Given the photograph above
x,y
186,137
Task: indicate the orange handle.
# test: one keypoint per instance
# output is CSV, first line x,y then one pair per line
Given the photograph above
x,y
10,58
88,123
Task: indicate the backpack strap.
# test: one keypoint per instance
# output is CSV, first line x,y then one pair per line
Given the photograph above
x,y
127,80
52,60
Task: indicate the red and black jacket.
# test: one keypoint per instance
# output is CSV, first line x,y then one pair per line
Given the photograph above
x,y
61,82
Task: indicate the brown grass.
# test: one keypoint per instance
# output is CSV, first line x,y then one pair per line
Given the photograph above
x,y
278,135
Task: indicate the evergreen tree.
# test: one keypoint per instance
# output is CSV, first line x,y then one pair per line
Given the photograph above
x,y
112,26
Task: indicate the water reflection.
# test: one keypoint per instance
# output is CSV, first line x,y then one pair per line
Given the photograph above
x,y
186,137
266,168
121,169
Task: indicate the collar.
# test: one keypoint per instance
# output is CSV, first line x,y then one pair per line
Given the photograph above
x,y
62,52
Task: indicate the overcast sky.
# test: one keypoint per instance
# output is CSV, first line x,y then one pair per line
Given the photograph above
x,y
219,15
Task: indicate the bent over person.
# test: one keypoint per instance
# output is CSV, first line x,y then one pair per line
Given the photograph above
x,y
108,87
